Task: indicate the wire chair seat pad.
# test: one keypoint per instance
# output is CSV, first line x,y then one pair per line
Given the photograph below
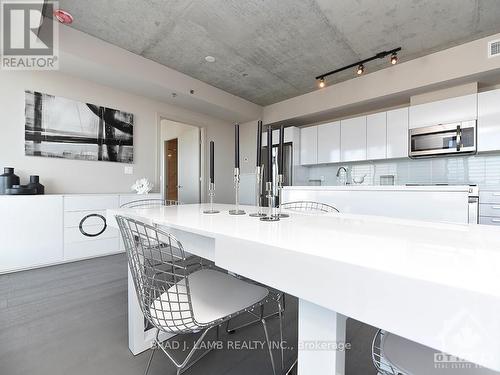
x,y
411,358
215,296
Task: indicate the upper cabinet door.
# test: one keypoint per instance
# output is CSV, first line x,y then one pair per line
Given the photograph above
x,y
376,139
462,108
353,139
329,142
309,145
397,133
488,122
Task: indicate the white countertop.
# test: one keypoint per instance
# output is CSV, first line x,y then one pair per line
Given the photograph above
x,y
470,254
409,277
361,187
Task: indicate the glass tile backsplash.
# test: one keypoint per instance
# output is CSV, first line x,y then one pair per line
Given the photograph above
x,y
483,170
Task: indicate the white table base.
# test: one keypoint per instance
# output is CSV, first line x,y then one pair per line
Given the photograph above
x,y
139,339
320,330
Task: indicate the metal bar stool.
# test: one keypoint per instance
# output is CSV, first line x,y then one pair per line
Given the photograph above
x,y
159,202
153,202
395,355
177,299
309,206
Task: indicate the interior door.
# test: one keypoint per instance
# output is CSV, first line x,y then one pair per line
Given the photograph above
x,y
172,165
188,169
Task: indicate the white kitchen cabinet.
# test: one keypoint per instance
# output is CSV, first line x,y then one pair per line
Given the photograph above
x,y
397,133
462,108
329,142
376,136
32,231
353,139
309,145
488,122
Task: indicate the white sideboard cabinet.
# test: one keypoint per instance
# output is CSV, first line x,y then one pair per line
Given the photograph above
x,y
42,230
32,231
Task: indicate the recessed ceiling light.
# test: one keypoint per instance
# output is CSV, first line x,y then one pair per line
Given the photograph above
x,y
62,16
210,59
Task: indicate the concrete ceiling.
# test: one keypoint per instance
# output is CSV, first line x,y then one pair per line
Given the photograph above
x,y
271,50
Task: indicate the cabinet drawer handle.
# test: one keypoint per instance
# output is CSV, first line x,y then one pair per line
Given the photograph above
x,y
496,194
495,207
93,234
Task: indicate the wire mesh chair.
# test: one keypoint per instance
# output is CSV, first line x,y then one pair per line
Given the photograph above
x,y
396,355
383,366
158,202
146,203
175,298
308,206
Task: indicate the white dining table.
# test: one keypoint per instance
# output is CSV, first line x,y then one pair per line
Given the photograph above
x,y
433,283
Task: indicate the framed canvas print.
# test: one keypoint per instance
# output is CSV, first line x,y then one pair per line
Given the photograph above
x,y
62,128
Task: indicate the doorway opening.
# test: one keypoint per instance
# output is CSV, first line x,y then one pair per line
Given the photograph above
x,y
171,180
180,161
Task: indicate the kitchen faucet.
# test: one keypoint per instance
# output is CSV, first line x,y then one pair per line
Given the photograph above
x,y
341,168
342,178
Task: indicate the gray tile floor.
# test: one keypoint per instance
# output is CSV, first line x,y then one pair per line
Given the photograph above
x,y
72,319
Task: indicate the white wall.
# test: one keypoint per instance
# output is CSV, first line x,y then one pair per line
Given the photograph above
x,y
248,147
77,176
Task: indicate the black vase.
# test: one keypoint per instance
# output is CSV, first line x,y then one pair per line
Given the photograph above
x,y
35,183
21,190
7,179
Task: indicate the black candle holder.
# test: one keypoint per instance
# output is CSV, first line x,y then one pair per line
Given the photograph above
x,y
211,194
237,210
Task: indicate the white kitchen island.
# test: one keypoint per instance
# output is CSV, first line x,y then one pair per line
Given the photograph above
x,y
436,284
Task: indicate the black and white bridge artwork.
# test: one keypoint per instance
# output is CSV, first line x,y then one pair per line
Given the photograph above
x,y
63,128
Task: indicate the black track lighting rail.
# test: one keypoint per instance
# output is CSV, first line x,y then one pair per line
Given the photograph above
x,y
379,55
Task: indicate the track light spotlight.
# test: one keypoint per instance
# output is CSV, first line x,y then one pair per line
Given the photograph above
x,y
394,58
361,69
322,82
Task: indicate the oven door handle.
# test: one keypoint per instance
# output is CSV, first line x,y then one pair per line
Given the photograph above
x,y
459,137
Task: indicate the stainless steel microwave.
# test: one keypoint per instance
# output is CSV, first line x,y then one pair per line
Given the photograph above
x,y
446,139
